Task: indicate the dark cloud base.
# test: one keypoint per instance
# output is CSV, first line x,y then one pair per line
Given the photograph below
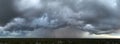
x,y
42,18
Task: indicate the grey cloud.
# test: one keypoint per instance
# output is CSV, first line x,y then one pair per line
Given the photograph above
x,y
7,12
45,16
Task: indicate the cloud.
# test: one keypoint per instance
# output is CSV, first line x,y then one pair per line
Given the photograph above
x,y
52,18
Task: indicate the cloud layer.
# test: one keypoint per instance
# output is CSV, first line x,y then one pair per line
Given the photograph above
x,y
42,18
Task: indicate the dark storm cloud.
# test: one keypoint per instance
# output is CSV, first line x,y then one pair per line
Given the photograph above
x,y
94,16
7,11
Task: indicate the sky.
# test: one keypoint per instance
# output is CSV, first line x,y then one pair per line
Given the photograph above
x,y
59,19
